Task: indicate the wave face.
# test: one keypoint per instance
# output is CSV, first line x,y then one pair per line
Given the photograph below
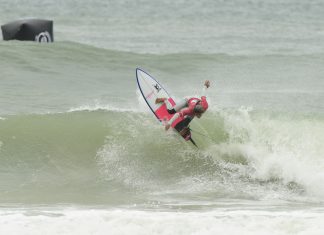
x,y
122,157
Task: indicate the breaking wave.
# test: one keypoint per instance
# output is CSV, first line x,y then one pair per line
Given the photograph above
x,y
114,155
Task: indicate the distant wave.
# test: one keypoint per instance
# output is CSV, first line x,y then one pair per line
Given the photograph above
x,y
91,53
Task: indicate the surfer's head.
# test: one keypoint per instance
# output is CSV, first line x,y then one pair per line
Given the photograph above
x,y
199,110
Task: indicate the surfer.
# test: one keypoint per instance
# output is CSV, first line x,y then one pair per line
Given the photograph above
x,y
187,108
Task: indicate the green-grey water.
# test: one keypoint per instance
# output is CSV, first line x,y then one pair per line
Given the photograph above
x,y
81,153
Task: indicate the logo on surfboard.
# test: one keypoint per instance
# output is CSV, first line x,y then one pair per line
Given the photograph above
x,y
157,87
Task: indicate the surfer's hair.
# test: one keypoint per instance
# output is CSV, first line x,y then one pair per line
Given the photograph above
x,y
199,109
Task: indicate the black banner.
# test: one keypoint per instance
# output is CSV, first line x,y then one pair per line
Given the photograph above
x,y
29,30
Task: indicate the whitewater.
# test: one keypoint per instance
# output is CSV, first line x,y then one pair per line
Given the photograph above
x,y
81,153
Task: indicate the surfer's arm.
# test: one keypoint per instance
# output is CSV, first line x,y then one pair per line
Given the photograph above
x,y
203,99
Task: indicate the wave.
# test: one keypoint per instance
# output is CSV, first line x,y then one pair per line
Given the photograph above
x,y
88,54
115,155
54,78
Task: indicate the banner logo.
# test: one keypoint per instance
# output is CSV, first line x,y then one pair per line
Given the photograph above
x,y
43,37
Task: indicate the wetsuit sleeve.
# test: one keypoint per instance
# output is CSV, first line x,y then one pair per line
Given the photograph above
x,y
187,111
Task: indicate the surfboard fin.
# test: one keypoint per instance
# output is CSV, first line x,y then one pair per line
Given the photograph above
x,y
193,142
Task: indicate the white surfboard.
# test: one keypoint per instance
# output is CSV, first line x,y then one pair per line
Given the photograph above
x,y
152,89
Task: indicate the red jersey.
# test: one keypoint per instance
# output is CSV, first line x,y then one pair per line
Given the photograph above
x,y
189,111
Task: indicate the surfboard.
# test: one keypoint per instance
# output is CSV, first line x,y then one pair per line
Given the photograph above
x,y
151,89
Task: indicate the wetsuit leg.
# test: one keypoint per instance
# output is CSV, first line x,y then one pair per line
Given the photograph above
x,y
180,105
183,127
184,123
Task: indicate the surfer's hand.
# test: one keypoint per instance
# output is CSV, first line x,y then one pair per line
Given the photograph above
x,y
207,83
167,126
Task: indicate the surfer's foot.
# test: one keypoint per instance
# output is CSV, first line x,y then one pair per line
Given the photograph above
x,y
167,126
159,100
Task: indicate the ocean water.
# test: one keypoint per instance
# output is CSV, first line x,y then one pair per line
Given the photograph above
x,y
81,153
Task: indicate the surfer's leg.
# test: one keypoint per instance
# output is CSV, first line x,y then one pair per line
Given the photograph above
x,y
169,107
183,124
167,103
181,104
